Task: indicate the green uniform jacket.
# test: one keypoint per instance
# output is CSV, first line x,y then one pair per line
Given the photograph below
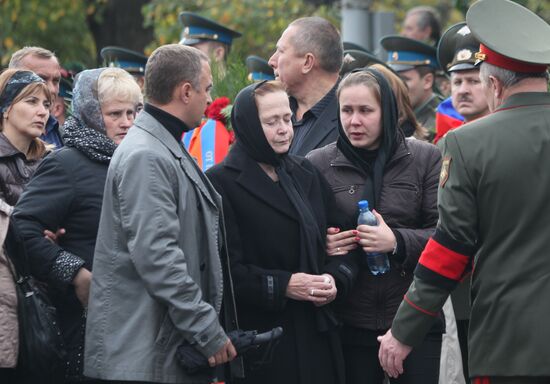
x,y
494,210
425,114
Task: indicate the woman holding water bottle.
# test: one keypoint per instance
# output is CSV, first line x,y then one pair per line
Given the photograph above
x,y
373,161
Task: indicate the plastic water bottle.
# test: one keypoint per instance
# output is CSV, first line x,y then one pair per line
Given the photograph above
x,y
378,262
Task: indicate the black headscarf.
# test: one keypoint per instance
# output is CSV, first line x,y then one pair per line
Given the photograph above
x,y
252,141
19,81
391,135
248,128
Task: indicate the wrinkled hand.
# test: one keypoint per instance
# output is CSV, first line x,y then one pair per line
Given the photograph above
x,y
340,243
224,354
81,284
314,288
332,292
378,238
53,237
391,354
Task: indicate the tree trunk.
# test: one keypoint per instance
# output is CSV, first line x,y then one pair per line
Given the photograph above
x,y
119,23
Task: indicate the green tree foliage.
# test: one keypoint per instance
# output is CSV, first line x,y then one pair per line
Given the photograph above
x,y
63,25
451,11
230,79
58,25
260,22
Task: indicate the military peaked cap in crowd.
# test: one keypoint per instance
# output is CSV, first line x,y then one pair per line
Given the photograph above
x,y
198,29
259,69
348,46
511,36
457,48
405,54
131,61
66,87
354,59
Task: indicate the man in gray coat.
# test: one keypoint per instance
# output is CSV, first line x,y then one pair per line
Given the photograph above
x,y
157,278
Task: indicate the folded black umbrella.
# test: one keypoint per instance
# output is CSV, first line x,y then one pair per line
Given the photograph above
x,y
193,361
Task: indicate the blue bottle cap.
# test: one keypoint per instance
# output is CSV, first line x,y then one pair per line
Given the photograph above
x,y
363,204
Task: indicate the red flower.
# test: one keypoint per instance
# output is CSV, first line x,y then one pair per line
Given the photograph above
x,y
231,137
214,110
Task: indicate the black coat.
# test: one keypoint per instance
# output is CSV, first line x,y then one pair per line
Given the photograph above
x,y
65,192
264,246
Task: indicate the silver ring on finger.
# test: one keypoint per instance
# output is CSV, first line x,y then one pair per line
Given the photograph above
x,y
338,249
312,293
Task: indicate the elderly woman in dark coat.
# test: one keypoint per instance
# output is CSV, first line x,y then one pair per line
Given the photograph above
x,y
67,191
275,208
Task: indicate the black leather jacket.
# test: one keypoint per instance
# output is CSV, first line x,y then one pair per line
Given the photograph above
x,y
408,204
15,171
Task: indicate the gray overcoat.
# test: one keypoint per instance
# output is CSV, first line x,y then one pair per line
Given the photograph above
x,y
157,276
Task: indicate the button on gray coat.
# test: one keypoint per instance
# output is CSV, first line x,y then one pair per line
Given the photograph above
x,y
157,276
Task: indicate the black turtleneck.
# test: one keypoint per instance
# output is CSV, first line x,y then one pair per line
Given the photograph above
x,y
175,126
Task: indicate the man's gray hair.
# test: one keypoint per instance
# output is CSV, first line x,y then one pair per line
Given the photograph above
x,y
318,36
169,66
507,77
18,56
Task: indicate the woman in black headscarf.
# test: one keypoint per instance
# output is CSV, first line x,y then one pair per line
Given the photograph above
x,y
372,160
275,207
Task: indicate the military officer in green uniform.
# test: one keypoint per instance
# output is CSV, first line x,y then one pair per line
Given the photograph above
x,y
131,61
456,54
355,58
259,69
494,213
208,36
416,63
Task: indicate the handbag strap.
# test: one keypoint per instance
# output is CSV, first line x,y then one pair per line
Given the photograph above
x,y
5,213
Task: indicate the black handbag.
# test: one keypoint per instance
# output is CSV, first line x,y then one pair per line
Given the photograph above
x,y
41,350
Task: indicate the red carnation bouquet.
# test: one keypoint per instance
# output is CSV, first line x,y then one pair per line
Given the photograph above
x,y
220,110
214,110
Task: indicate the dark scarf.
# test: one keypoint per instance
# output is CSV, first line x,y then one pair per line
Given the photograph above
x,y
93,144
16,83
252,141
374,168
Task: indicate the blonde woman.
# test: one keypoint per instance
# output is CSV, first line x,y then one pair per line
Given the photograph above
x,y
67,192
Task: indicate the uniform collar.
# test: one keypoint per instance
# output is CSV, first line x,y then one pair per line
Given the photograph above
x,y
525,99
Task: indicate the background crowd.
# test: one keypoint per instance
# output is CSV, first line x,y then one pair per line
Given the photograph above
x,y
153,217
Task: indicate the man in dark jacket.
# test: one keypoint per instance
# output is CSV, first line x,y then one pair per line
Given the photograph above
x,y
490,166
307,61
